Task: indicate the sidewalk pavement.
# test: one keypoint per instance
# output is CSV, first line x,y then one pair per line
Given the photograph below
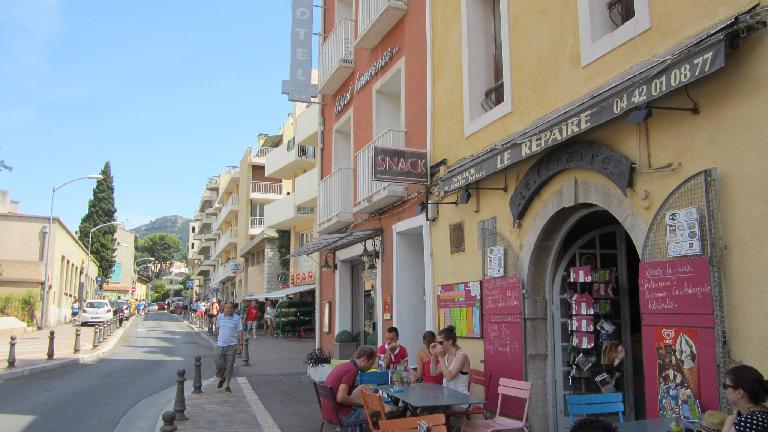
x,y
273,394
32,348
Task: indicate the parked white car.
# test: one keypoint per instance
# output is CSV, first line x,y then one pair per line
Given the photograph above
x,y
95,311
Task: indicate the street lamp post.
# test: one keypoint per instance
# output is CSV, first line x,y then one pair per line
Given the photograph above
x,y
44,306
88,267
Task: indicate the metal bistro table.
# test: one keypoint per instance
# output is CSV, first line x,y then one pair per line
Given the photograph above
x,y
428,395
652,425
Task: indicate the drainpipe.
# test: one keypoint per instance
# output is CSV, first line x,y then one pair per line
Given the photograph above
x,y
429,272
320,145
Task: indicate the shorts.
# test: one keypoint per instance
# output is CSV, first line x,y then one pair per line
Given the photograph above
x,y
251,325
356,416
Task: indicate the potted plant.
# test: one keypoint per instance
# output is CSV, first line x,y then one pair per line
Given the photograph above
x,y
345,345
318,364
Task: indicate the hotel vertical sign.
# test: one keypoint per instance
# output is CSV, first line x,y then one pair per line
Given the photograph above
x,y
299,87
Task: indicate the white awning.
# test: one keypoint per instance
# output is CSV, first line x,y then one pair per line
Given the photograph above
x,y
286,291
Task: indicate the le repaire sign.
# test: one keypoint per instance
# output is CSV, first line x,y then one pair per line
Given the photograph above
x,y
399,165
611,104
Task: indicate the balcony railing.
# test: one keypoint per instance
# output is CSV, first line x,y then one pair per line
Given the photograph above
x,y
229,236
257,222
289,160
375,18
230,204
337,51
266,188
335,195
262,152
366,186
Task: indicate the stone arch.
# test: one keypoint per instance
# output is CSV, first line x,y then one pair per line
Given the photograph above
x,y
540,245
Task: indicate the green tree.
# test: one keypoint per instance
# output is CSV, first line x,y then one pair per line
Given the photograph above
x,y
101,210
163,247
158,291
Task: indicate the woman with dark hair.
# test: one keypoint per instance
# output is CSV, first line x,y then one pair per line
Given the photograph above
x,y
746,390
423,371
449,360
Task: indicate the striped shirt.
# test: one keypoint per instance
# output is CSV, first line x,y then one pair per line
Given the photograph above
x,y
229,329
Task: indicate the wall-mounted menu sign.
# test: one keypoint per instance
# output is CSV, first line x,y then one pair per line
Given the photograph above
x,y
501,296
399,165
682,286
459,305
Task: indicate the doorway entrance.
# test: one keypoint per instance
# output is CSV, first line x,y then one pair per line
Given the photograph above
x,y
363,305
595,316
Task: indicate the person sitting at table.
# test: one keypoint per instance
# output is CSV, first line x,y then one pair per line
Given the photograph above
x,y
342,380
448,359
391,353
747,391
423,372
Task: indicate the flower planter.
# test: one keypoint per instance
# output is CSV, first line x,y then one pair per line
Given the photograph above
x,y
319,373
344,350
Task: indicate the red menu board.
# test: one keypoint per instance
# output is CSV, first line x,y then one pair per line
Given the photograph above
x,y
504,355
459,305
679,286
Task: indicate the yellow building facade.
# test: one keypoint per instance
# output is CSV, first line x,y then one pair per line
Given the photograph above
x,y
559,109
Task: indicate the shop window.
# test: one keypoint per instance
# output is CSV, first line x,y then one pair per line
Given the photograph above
x,y
606,25
485,44
456,237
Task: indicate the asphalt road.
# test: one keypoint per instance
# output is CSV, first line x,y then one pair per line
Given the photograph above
x,y
95,397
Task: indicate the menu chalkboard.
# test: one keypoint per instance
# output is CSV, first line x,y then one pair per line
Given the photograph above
x,y
679,286
503,339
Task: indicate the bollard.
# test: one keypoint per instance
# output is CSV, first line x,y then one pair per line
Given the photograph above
x,y
95,337
200,322
12,353
179,405
99,333
197,383
210,325
168,418
111,326
77,341
51,337
246,355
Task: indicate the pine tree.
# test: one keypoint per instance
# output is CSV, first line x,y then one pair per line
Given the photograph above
x,y
101,210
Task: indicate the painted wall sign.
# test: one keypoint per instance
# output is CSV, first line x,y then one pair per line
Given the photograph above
x,y
679,286
613,102
299,87
399,165
586,155
302,278
362,79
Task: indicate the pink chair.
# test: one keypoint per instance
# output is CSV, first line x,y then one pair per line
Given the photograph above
x,y
507,387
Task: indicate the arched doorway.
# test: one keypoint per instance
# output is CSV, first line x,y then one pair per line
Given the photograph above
x,y
594,315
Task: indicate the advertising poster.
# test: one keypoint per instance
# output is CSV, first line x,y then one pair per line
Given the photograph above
x,y
677,370
459,305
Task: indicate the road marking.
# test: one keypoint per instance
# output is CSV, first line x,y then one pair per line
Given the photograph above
x,y
262,415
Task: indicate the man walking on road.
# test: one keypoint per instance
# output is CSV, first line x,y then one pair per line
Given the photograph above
x,y
229,334
252,318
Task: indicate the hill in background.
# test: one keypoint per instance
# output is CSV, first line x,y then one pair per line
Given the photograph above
x,y
175,225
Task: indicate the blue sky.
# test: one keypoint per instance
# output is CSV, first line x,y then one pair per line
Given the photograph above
x,y
169,91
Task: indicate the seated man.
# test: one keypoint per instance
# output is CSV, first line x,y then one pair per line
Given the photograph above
x,y
391,353
342,380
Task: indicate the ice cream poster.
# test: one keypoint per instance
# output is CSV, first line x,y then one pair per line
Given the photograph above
x,y
677,368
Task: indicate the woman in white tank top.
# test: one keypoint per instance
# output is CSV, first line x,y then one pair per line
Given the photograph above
x,y
450,361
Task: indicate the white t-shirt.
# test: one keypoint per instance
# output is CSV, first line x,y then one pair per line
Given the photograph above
x,y
269,312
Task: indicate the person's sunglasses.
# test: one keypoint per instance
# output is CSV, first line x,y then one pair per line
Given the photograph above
x,y
439,342
726,386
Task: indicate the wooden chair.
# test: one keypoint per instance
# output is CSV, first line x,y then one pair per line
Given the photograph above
x,y
372,403
325,393
595,403
412,423
476,377
507,388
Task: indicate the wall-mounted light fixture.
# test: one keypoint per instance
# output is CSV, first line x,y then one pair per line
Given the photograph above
x,y
370,255
465,195
645,111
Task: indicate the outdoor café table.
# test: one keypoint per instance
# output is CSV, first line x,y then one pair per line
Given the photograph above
x,y
651,425
428,395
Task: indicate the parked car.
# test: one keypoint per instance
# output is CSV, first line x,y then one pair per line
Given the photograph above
x,y
152,307
95,311
179,306
161,306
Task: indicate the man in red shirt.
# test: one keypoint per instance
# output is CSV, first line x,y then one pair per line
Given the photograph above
x,y
342,380
252,318
392,354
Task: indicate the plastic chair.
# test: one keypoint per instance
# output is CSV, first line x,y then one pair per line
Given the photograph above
x,y
325,393
412,423
510,388
374,378
595,403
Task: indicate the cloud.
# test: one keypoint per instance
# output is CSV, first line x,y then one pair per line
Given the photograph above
x,y
26,28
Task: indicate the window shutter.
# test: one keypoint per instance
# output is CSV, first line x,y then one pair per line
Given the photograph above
x,y
456,235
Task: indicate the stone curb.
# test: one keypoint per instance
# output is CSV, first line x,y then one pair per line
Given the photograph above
x,y
55,364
